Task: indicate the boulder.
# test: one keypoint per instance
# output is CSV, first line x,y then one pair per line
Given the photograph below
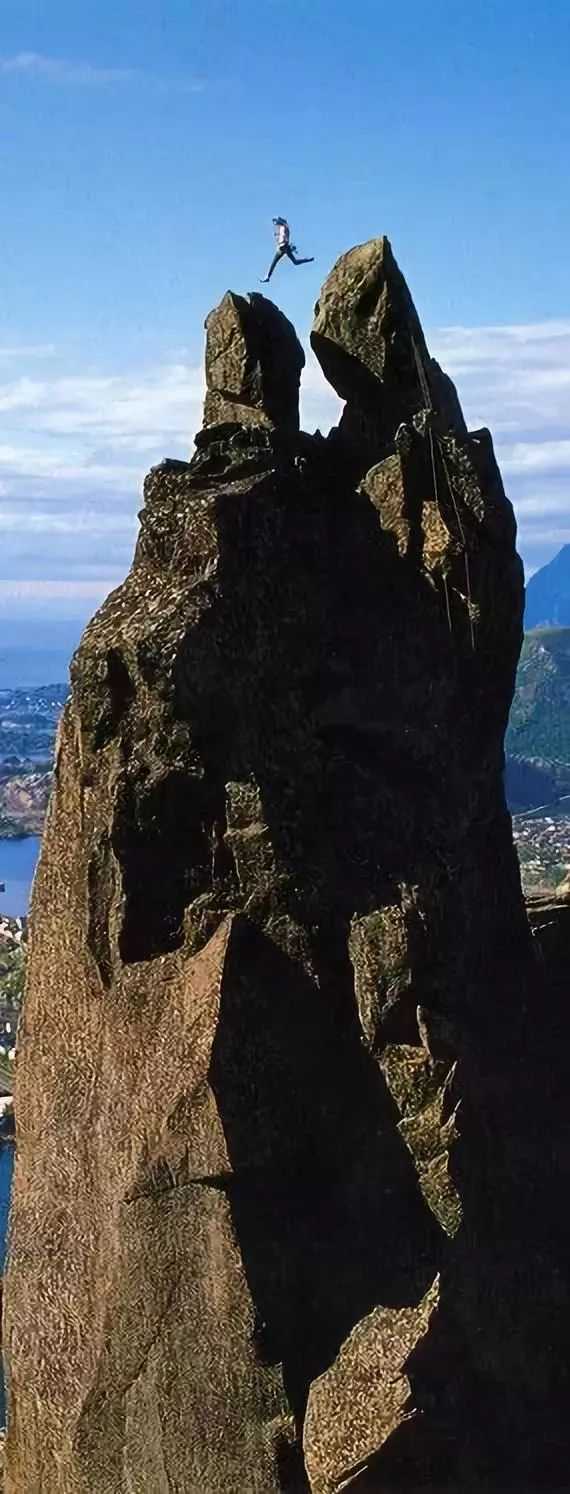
x,y
369,341
253,364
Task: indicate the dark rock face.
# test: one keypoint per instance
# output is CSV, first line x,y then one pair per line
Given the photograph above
x,y
253,364
269,1231
368,339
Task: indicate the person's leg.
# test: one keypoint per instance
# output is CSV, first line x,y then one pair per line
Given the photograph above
x,y
274,262
290,252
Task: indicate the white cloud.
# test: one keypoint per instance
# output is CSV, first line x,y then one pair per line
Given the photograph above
x,y
544,456
517,375
81,436
33,350
320,406
49,602
64,465
62,70
49,590
128,408
516,380
88,522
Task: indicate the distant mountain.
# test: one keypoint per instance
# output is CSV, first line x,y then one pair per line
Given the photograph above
x,y
28,723
538,736
548,594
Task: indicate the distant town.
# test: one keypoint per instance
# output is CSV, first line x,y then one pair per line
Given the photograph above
x,y
13,932
542,839
28,724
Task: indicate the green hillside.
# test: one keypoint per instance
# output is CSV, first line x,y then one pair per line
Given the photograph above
x,y
539,725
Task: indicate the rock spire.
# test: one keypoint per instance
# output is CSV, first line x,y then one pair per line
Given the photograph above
x,y
272,1231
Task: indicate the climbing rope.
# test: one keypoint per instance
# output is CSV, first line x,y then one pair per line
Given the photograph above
x,y
436,496
422,376
428,404
464,543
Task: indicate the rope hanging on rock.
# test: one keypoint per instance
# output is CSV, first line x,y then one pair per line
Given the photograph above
x,y
463,541
428,405
422,376
436,496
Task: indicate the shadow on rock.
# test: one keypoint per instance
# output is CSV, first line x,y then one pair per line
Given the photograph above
x,y
325,1199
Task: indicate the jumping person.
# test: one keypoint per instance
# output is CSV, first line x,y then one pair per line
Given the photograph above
x,y
284,247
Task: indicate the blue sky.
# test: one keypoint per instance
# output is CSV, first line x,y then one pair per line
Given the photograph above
x,y
144,147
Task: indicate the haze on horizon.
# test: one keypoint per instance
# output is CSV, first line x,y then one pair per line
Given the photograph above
x,y
144,156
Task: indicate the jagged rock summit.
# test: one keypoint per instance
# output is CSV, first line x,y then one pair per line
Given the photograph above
x,y
253,364
368,339
271,1080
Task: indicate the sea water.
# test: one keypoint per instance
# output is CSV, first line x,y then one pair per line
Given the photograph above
x,y
17,866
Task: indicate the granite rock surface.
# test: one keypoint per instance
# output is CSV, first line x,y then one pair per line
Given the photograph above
x,y
276,1220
